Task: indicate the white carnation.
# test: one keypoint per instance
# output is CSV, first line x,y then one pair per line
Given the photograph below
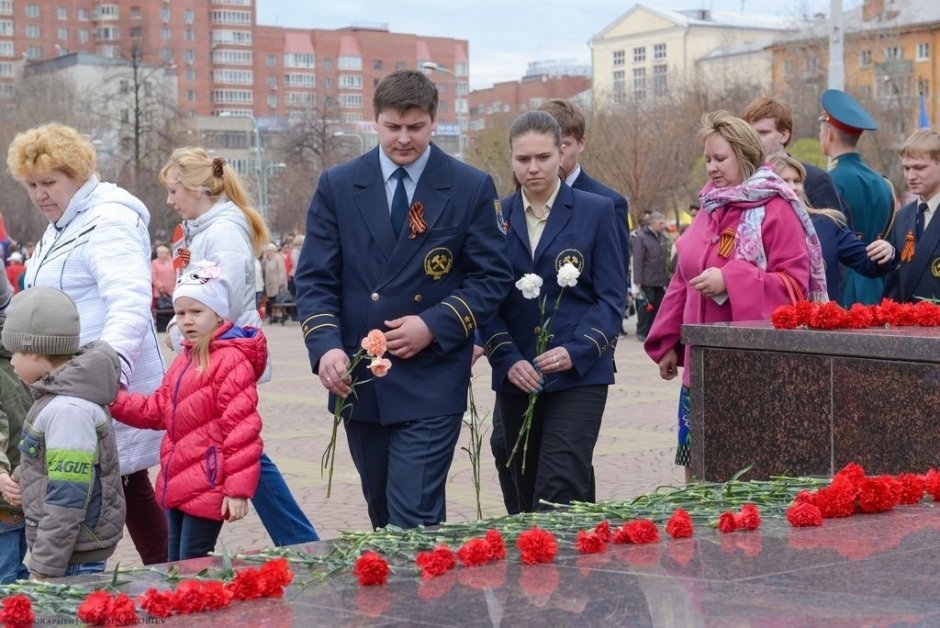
x,y
530,284
568,275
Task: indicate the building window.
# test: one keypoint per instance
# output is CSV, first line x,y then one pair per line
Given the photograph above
x,y
62,13
166,55
639,84
34,52
32,31
272,82
328,83
190,74
62,34
136,13
864,58
6,7
6,48
894,52
32,10
190,35
83,36
618,87
164,14
6,27
271,61
350,101
377,64
660,81
240,38
6,70
659,52
300,60
350,81
190,95
233,77
190,57
461,69
639,54
83,15
300,99
923,51
328,63
272,101
349,63
188,16
441,88
813,65
463,88
300,79
165,34
442,106
232,57
619,57
923,87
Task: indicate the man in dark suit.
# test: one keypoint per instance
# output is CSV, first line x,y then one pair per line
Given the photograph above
x,y
773,121
407,240
916,231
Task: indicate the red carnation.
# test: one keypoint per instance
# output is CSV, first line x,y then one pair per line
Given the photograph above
x,y
216,595
246,585
878,494
805,310
17,611
122,611
474,552
189,598
804,515
837,500
932,484
903,315
927,314
852,472
679,525
805,497
537,546
859,316
157,603
436,562
371,569
642,531
726,522
94,610
621,536
602,530
785,317
748,518
828,315
589,542
912,487
497,545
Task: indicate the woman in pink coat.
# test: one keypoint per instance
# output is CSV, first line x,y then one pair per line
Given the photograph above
x,y
751,248
210,458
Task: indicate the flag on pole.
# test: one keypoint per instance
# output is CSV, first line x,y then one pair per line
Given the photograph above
x,y
923,120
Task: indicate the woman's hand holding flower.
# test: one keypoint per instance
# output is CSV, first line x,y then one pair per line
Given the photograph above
x,y
524,377
554,360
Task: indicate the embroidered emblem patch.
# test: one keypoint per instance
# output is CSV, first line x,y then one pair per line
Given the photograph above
x,y
935,267
501,221
570,256
438,262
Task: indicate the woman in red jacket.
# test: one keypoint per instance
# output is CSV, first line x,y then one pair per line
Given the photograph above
x,y
208,405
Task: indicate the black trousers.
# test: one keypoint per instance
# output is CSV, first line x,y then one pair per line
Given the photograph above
x,y
561,444
646,313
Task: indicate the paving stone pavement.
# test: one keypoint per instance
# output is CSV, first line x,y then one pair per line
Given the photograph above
x,y
634,453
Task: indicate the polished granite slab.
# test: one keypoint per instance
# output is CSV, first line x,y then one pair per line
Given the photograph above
x,y
807,402
864,570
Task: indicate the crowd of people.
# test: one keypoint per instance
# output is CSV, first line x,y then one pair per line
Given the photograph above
x,y
410,241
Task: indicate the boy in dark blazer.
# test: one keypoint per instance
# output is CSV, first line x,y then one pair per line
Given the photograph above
x,y
408,240
916,231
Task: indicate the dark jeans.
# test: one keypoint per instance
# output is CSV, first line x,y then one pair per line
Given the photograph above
x,y
191,537
145,520
282,517
561,444
403,468
646,313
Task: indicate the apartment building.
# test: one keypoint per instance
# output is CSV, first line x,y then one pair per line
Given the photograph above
x,y
226,64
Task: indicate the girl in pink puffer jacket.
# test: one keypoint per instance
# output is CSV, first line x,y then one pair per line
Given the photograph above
x,y
208,405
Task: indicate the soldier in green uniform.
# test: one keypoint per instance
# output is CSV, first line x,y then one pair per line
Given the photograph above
x,y
866,196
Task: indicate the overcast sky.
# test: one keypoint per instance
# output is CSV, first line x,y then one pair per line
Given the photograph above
x,y
504,35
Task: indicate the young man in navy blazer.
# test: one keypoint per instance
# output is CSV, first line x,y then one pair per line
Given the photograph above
x,y
408,240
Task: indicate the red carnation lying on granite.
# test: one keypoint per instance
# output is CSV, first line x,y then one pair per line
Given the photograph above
x,y
371,569
679,525
804,515
589,543
537,546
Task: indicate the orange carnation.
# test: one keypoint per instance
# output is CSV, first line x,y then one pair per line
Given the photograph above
x,y
380,366
374,344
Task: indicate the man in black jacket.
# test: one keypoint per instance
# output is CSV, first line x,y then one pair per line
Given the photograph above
x,y
649,271
773,121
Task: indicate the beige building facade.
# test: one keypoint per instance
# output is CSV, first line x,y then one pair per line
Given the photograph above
x,y
648,52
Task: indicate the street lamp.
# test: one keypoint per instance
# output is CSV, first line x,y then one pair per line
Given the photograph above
x,y
259,170
430,66
356,136
268,168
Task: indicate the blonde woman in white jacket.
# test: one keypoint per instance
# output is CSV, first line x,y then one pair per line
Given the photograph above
x,y
220,225
96,249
